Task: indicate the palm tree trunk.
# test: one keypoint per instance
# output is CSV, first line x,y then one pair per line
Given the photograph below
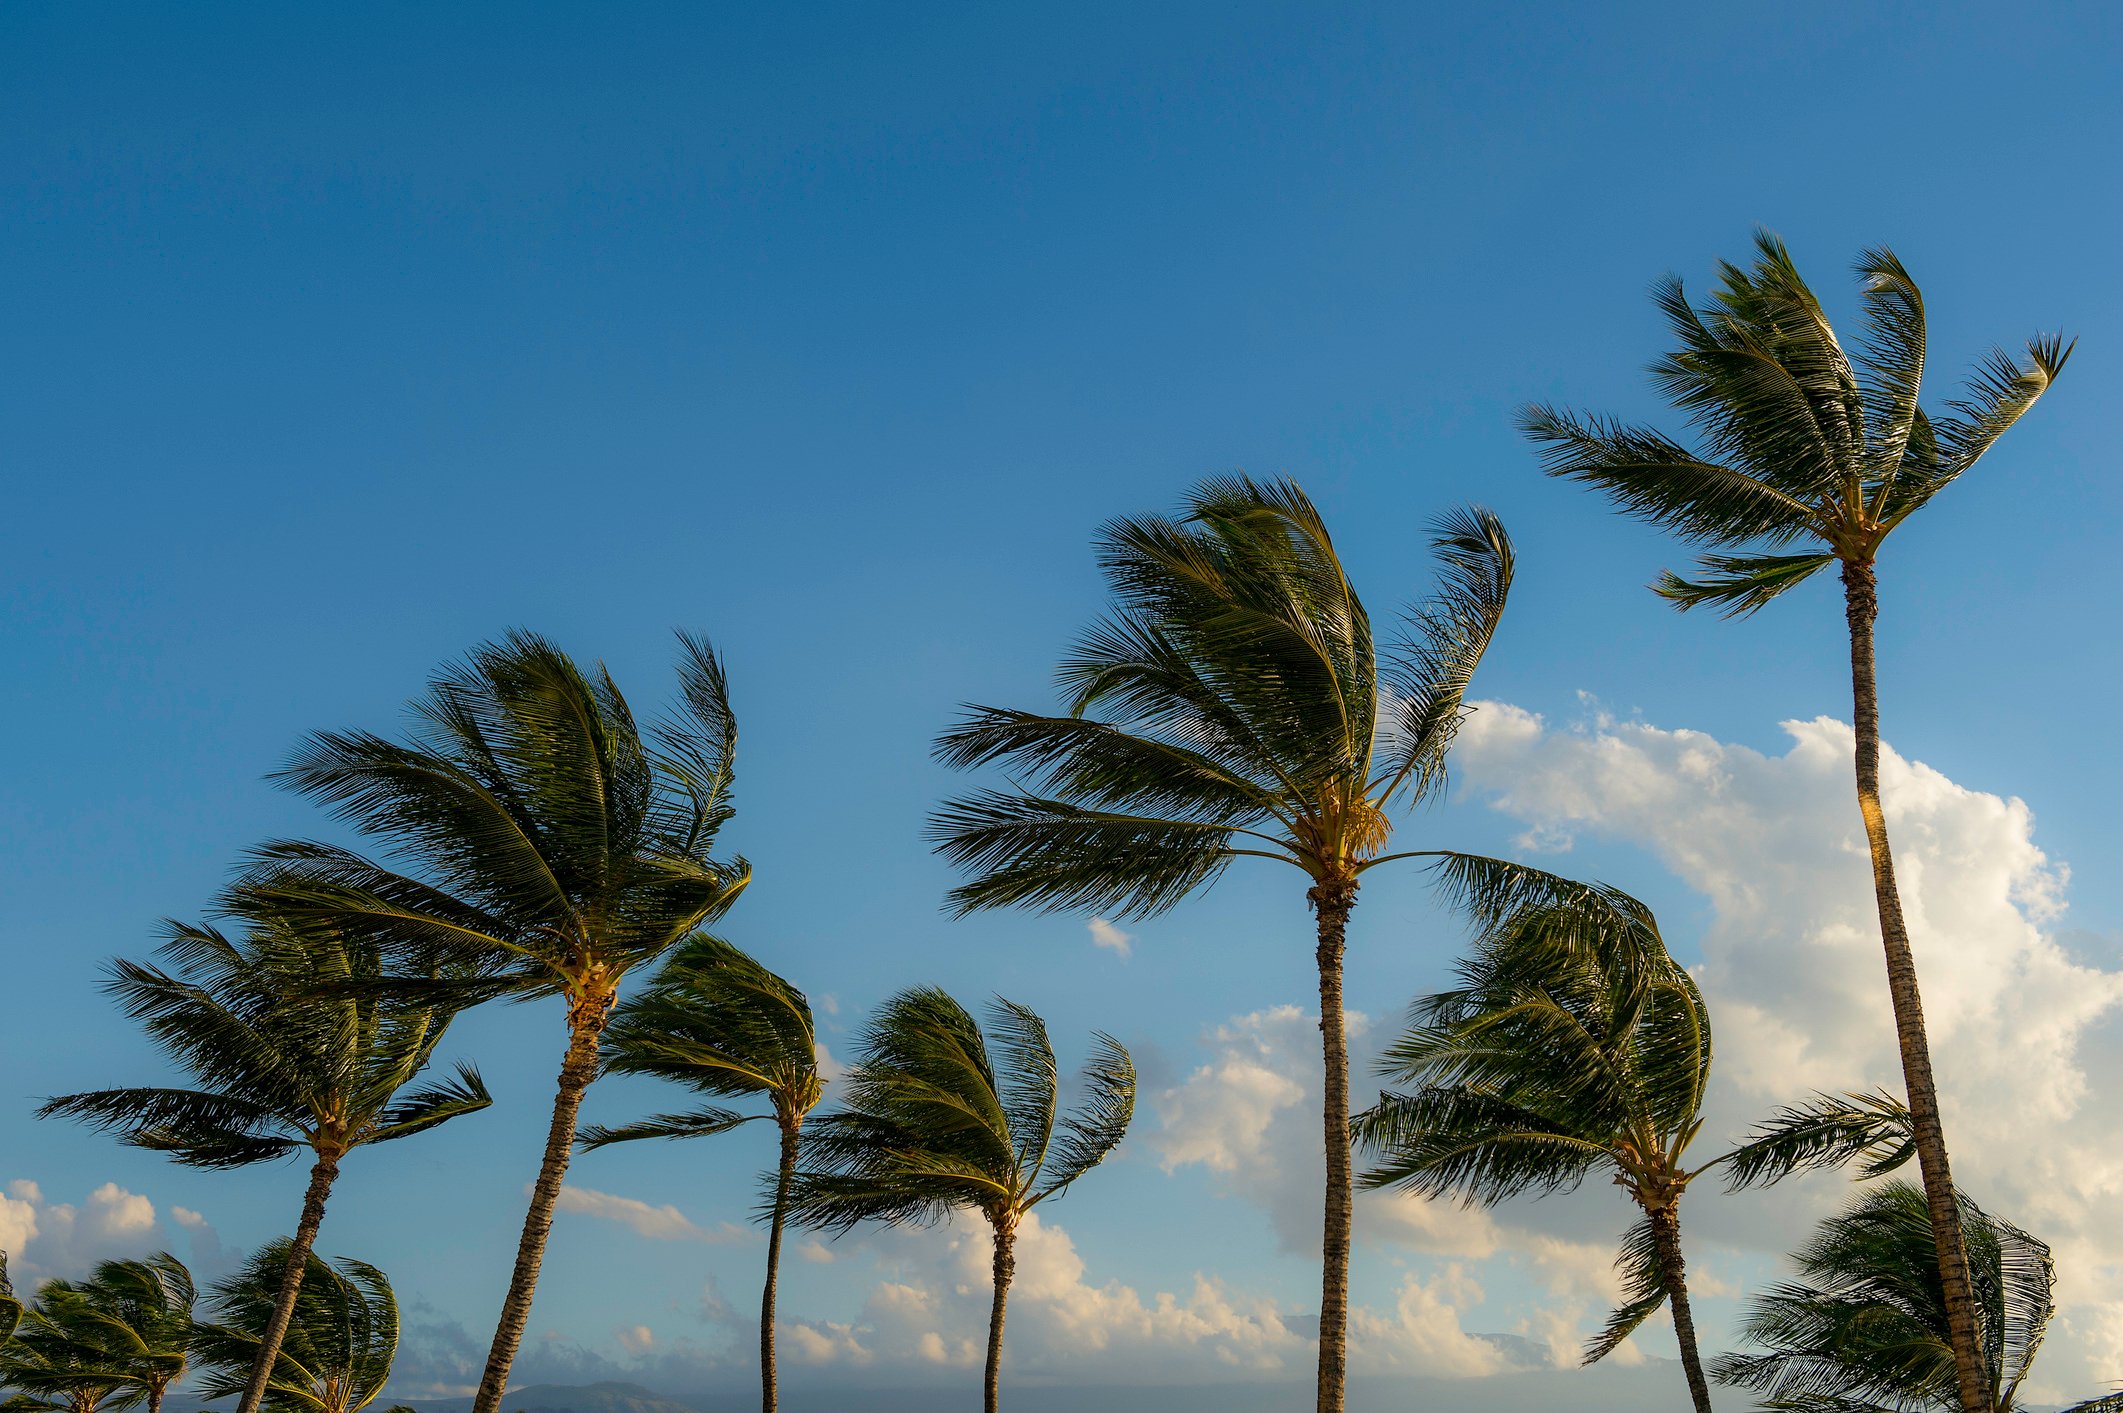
x,y
586,1022
323,1173
1861,606
767,1391
1005,1268
1666,1232
1332,899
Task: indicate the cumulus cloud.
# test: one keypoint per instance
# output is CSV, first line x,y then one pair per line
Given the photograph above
x,y
1105,934
43,1238
635,1339
1791,965
657,1223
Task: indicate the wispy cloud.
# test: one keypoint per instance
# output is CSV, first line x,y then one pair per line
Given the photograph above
x,y
657,1223
1105,934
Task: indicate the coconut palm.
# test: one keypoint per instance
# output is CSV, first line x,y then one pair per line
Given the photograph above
x,y
337,1352
538,838
718,1022
1248,713
292,1049
1574,1045
1809,457
10,1303
1864,1329
943,1116
119,1339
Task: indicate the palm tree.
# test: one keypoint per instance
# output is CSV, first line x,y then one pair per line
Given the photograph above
x,y
1807,458
1575,1044
337,1352
548,845
10,1303
941,1116
1864,1330
724,1026
119,1339
292,1048
1251,714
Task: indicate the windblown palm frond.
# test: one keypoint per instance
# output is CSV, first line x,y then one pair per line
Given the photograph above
x,y
339,1347
120,1338
724,1026
1865,1325
943,1114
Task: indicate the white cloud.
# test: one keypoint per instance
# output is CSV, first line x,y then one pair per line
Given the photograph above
x,y
1792,968
664,1223
635,1339
816,1252
44,1238
1105,934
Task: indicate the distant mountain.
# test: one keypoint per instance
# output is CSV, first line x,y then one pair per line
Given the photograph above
x,y
570,1398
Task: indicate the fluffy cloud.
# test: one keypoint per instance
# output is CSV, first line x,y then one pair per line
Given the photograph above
x,y
664,1223
1105,934
1791,965
43,1238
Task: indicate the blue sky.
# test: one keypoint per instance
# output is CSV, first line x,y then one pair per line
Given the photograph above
x,y
337,340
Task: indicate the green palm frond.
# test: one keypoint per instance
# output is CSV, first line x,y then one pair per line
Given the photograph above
x,y
114,1340
534,832
1439,1142
942,1114
1091,1131
1429,673
704,1122
1866,1322
1643,1292
340,1344
1828,1130
1797,439
1022,851
421,1109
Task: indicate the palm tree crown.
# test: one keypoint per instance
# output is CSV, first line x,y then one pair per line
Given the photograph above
x,y
338,1351
544,844
1800,441
943,1115
119,1339
1864,1329
719,1023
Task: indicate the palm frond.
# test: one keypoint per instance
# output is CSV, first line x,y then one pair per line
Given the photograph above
x,y
1643,1291
1738,585
1096,1126
1023,851
704,1122
1825,1131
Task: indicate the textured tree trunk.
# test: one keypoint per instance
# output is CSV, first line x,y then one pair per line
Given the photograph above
x,y
768,1392
323,1173
1332,900
1666,1231
1005,1268
1861,607
586,1022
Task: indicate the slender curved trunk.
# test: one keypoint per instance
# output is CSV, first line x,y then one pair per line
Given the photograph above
x,y
1861,606
323,1173
1332,899
768,1391
1666,1232
586,1023
1005,1268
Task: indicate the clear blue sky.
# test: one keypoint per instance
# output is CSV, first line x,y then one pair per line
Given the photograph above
x,y
336,339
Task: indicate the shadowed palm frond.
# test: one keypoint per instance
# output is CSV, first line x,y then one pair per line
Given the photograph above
x,y
341,1342
696,1123
1643,1292
1826,1131
1096,1126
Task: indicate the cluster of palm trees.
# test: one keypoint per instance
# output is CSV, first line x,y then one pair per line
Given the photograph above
x,y
529,838
130,1331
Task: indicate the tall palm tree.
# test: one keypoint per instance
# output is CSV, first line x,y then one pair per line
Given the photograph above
x,y
718,1022
942,1116
119,1339
292,1048
542,840
338,1351
1864,1329
1248,712
1809,457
